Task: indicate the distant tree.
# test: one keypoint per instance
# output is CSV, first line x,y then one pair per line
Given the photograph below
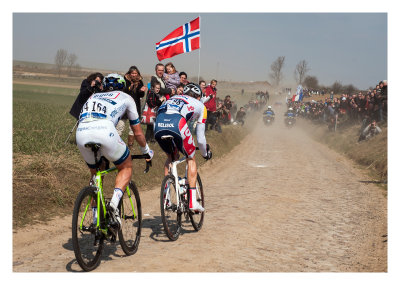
x,y
276,70
349,89
301,71
76,69
310,82
59,60
337,87
70,62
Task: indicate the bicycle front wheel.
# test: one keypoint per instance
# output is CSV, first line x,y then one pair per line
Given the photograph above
x,y
171,217
197,219
87,246
131,220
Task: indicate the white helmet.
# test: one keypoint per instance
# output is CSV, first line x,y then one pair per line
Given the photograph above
x,y
192,90
290,109
269,107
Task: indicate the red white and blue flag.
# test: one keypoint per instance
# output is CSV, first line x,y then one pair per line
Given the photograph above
x,y
183,39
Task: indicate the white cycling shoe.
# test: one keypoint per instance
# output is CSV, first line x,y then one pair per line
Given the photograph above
x,y
197,208
194,205
115,214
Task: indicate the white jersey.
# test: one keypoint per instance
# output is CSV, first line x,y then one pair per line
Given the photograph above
x,y
111,106
189,108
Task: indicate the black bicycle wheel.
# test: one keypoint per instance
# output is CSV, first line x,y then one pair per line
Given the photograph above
x,y
197,219
87,247
171,217
131,221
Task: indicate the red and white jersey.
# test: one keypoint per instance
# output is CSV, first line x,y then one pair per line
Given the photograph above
x,y
189,108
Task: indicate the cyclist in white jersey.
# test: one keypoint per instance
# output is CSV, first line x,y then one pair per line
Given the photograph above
x,y
97,121
172,118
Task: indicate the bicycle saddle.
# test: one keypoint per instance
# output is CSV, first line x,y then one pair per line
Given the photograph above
x,y
94,146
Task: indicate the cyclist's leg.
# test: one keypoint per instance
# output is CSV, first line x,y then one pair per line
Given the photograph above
x,y
188,148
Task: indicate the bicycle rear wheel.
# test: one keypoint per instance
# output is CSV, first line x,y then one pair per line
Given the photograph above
x,y
87,247
131,220
171,217
197,219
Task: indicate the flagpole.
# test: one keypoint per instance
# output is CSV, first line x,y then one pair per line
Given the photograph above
x,y
198,75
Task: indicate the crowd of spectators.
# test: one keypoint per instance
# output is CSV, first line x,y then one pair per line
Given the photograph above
x,y
166,82
348,109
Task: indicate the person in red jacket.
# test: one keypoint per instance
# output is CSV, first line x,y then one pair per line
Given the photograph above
x,y
211,91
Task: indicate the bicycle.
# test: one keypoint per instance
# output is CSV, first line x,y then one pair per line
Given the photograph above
x,y
174,199
92,222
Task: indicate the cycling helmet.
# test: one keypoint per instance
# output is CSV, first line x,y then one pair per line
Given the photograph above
x,y
114,81
192,90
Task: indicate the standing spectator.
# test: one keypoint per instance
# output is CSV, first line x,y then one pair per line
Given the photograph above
x,y
158,77
171,77
135,86
154,100
211,91
183,77
92,84
136,89
383,110
202,85
228,106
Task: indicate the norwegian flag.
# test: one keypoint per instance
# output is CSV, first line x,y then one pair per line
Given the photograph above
x,y
183,39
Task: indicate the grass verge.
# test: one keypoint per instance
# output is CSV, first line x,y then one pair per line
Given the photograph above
x,y
370,155
45,185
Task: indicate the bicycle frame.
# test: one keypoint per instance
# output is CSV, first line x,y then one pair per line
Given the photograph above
x,y
98,183
174,172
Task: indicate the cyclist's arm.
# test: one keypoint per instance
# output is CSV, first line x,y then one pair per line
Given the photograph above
x,y
134,123
200,133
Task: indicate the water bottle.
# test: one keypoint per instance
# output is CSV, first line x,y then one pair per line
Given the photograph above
x,y
182,185
94,210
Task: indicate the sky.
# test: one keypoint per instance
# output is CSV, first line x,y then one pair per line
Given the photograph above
x,y
347,47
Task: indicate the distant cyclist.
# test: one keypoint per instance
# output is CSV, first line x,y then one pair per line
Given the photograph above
x,y
172,118
97,121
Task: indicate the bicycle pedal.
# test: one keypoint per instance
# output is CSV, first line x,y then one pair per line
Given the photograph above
x,y
114,232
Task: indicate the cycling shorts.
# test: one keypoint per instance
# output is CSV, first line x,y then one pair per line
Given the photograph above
x,y
174,125
102,132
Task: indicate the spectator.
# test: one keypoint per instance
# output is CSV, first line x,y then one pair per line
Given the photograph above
x,y
92,84
179,90
136,89
240,115
154,100
183,78
171,77
228,106
371,130
211,91
158,77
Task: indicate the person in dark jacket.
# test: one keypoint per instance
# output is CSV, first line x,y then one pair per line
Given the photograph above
x,y
154,100
136,89
158,77
92,84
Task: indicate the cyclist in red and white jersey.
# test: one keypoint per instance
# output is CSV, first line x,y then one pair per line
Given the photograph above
x,y
172,118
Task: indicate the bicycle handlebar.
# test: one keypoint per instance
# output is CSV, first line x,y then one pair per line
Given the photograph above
x,y
143,156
